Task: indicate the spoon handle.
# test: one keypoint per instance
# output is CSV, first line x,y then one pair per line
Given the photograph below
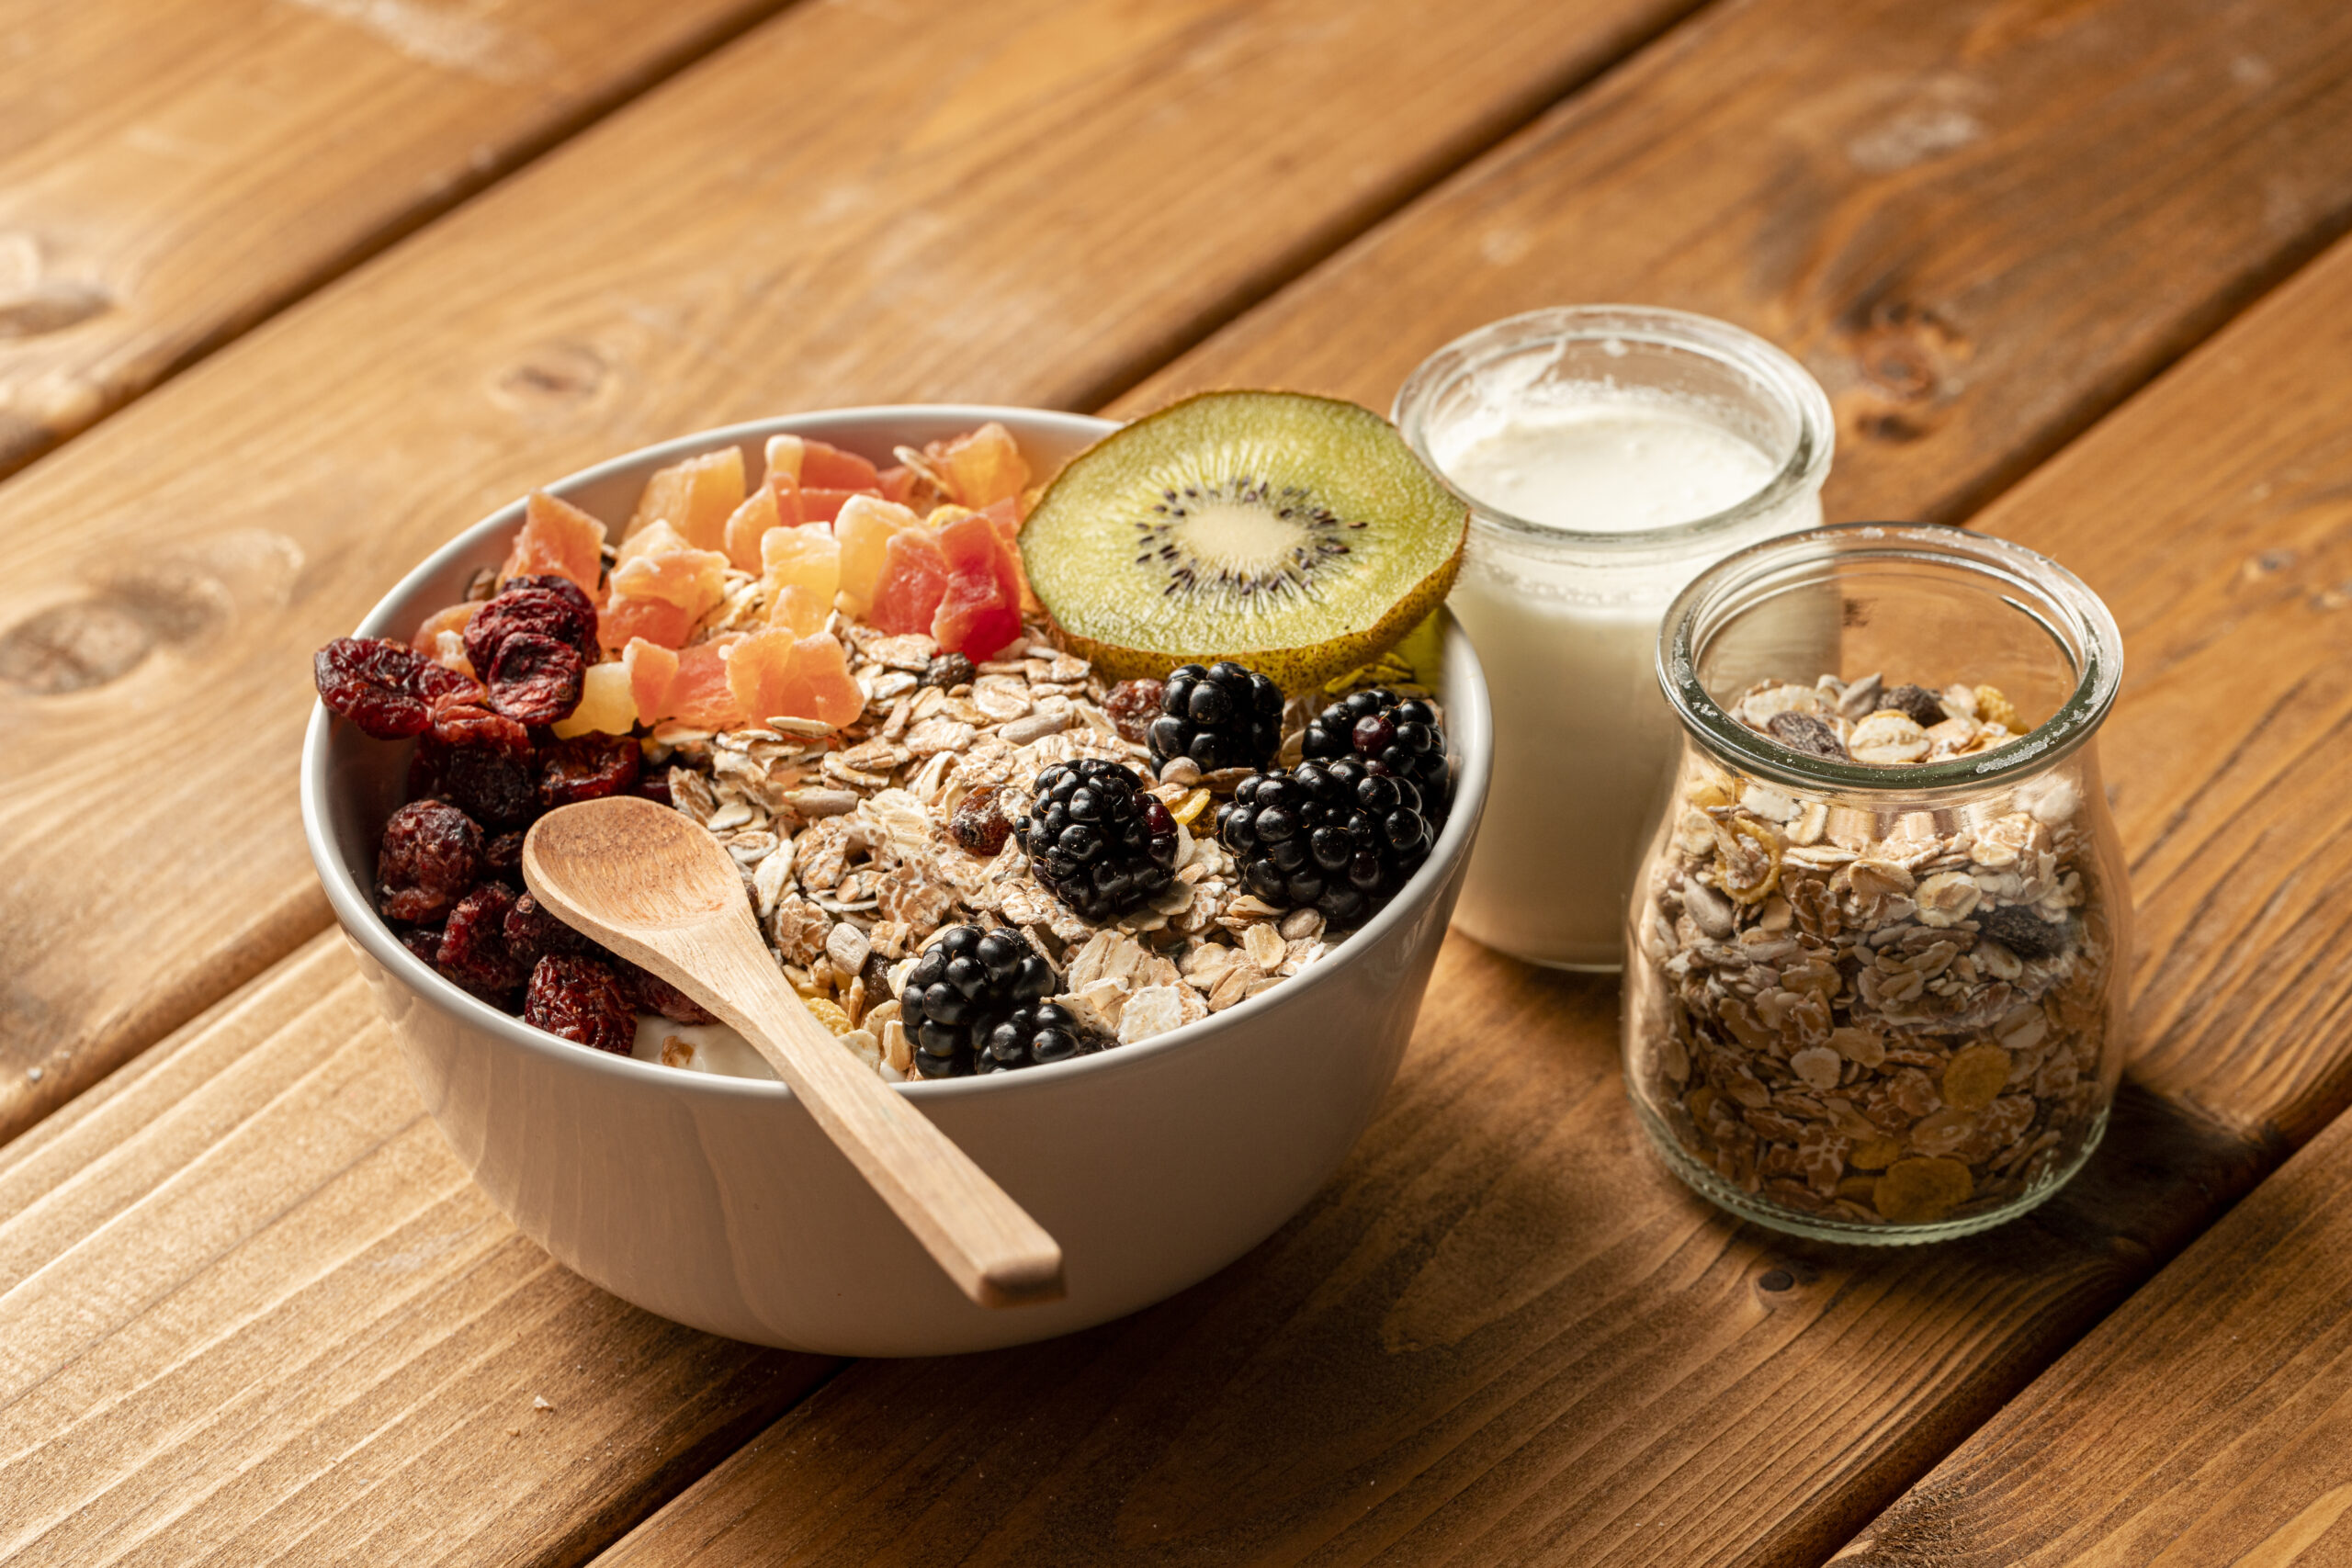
x,y
987,1244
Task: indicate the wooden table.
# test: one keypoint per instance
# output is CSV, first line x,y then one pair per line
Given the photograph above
x,y
290,290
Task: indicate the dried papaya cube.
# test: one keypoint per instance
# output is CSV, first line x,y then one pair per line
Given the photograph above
x,y
746,524
980,467
800,572
864,529
607,703
694,497
557,539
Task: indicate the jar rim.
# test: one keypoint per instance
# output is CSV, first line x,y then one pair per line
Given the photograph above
x,y
1763,362
2095,642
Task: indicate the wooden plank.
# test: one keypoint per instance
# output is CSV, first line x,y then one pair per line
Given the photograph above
x,y
251,1308
172,173
1980,225
2206,1417
2209,1421
1504,1335
848,205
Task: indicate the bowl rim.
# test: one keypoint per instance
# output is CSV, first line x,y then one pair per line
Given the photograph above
x,y
355,912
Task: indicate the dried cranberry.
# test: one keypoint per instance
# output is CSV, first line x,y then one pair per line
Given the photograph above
x,y
655,786
536,679
502,857
431,854
581,1000
496,789
387,688
425,768
587,767
648,992
1805,732
422,940
465,724
533,934
1133,704
562,587
979,823
541,611
474,950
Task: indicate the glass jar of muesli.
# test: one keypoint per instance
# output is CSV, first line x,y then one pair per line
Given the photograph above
x,y
1876,954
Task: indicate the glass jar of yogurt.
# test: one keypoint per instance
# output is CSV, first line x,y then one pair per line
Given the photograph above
x,y
1876,954
1608,453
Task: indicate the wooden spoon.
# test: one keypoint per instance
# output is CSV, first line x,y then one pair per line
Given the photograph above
x,y
660,891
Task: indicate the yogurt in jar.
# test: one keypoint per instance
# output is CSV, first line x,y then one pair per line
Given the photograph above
x,y
1610,455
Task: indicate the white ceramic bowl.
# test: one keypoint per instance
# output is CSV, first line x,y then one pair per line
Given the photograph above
x,y
716,1201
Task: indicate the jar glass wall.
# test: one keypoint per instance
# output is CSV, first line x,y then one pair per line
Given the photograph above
x,y
1877,950
1607,453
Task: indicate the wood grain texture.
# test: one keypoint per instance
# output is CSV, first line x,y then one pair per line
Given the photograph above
x,y
1503,1335
171,171
851,203
2205,1423
2208,1422
650,884
252,1310
1979,224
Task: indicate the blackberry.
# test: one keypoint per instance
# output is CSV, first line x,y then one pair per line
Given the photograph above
x,y
1400,732
963,988
1034,1036
1340,834
1221,715
1096,841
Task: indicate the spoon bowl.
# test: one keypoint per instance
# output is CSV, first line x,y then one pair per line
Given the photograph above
x,y
657,889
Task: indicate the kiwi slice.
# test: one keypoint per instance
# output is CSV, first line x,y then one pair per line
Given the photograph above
x,y
1298,535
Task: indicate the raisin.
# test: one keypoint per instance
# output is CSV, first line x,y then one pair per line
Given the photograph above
x,y
429,855
648,992
580,1000
1133,704
496,789
542,612
387,688
474,950
587,767
948,670
2024,932
979,824
502,857
466,724
1916,703
536,679
1803,732
533,934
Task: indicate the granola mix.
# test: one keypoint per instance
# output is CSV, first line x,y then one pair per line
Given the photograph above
x,y
858,845
1870,1014
839,672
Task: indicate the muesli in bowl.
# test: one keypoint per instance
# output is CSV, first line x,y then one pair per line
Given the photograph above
x,y
715,1199
969,850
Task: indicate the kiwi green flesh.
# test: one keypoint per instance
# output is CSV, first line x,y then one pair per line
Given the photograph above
x,y
1298,535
